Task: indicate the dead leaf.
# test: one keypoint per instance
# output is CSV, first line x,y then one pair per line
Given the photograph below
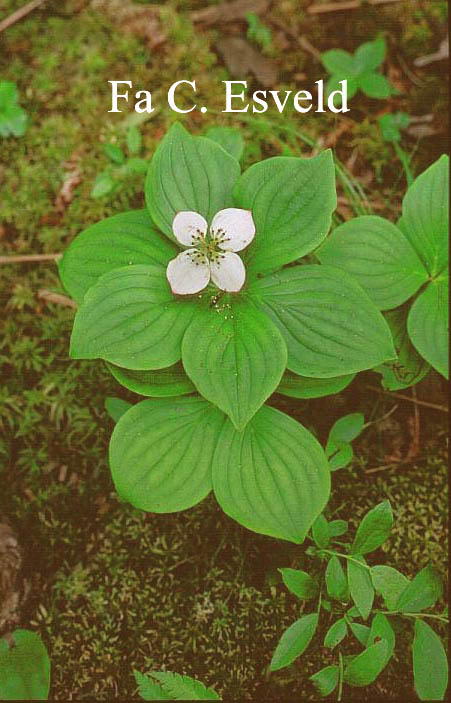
x,y
72,180
139,20
229,11
241,59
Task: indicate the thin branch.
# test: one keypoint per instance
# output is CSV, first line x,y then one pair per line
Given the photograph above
x,y
301,40
57,298
20,13
28,258
425,403
351,5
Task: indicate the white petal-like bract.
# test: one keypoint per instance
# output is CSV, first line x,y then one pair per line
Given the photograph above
x,y
228,273
188,273
233,228
189,227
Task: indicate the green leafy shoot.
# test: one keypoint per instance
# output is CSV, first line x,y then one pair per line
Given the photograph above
x,y
338,448
167,685
109,180
258,32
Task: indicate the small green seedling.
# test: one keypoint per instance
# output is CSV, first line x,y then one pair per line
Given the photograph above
x,y
258,32
109,180
346,593
359,70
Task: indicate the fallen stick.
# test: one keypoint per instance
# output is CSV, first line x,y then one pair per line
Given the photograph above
x,y
20,13
425,403
350,5
57,298
25,258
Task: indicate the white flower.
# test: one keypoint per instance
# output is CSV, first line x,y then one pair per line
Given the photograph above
x,y
210,256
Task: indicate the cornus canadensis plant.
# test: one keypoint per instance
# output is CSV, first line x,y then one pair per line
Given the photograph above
x,y
204,294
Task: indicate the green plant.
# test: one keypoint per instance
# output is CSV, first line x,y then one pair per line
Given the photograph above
x,y
358,69
346,590
24,667
13,119
166,685
391,125
395,263
108,181
236,333
258,32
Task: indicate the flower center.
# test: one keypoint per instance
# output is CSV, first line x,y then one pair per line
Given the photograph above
x,y
207,247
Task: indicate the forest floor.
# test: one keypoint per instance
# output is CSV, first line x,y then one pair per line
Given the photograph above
x,y
113,589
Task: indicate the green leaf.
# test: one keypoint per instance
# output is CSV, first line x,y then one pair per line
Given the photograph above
x,y
369,56
273,477
116,407
326,333
360,632
13,120
122,240
156,384
410,367
136,165
430,664
337,585
360,586
326,680
428,322
421,593
184,688
235,356
320,531
299,583
379,256
339,62
336,633
103,185
338,528
149,690
367,666
382,630
346,428
391,125
374,529
292,201
188,173
390,583
24,668
294,641
130,318
353,612
425,215
161,453
341,457
114,153
296,386
375,85
229,138
334,83
134,140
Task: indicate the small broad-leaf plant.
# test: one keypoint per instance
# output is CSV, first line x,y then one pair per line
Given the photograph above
x,y
202,302
358,69
362,607
404,270
24,667
169,686
109,181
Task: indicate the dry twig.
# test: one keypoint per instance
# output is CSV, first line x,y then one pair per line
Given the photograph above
x,y
425,403
57,298
350,5
25,258
20,13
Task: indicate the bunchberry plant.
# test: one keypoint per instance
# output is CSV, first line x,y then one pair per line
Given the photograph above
x,y
13,119
167,685
24,667
110,180
404,270
204,294
346,592
358,69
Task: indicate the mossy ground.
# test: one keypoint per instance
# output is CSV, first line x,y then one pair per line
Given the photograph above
x,y
112,588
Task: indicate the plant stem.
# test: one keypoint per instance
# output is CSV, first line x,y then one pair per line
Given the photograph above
x,y
340,676
346,556
404,159
413,615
